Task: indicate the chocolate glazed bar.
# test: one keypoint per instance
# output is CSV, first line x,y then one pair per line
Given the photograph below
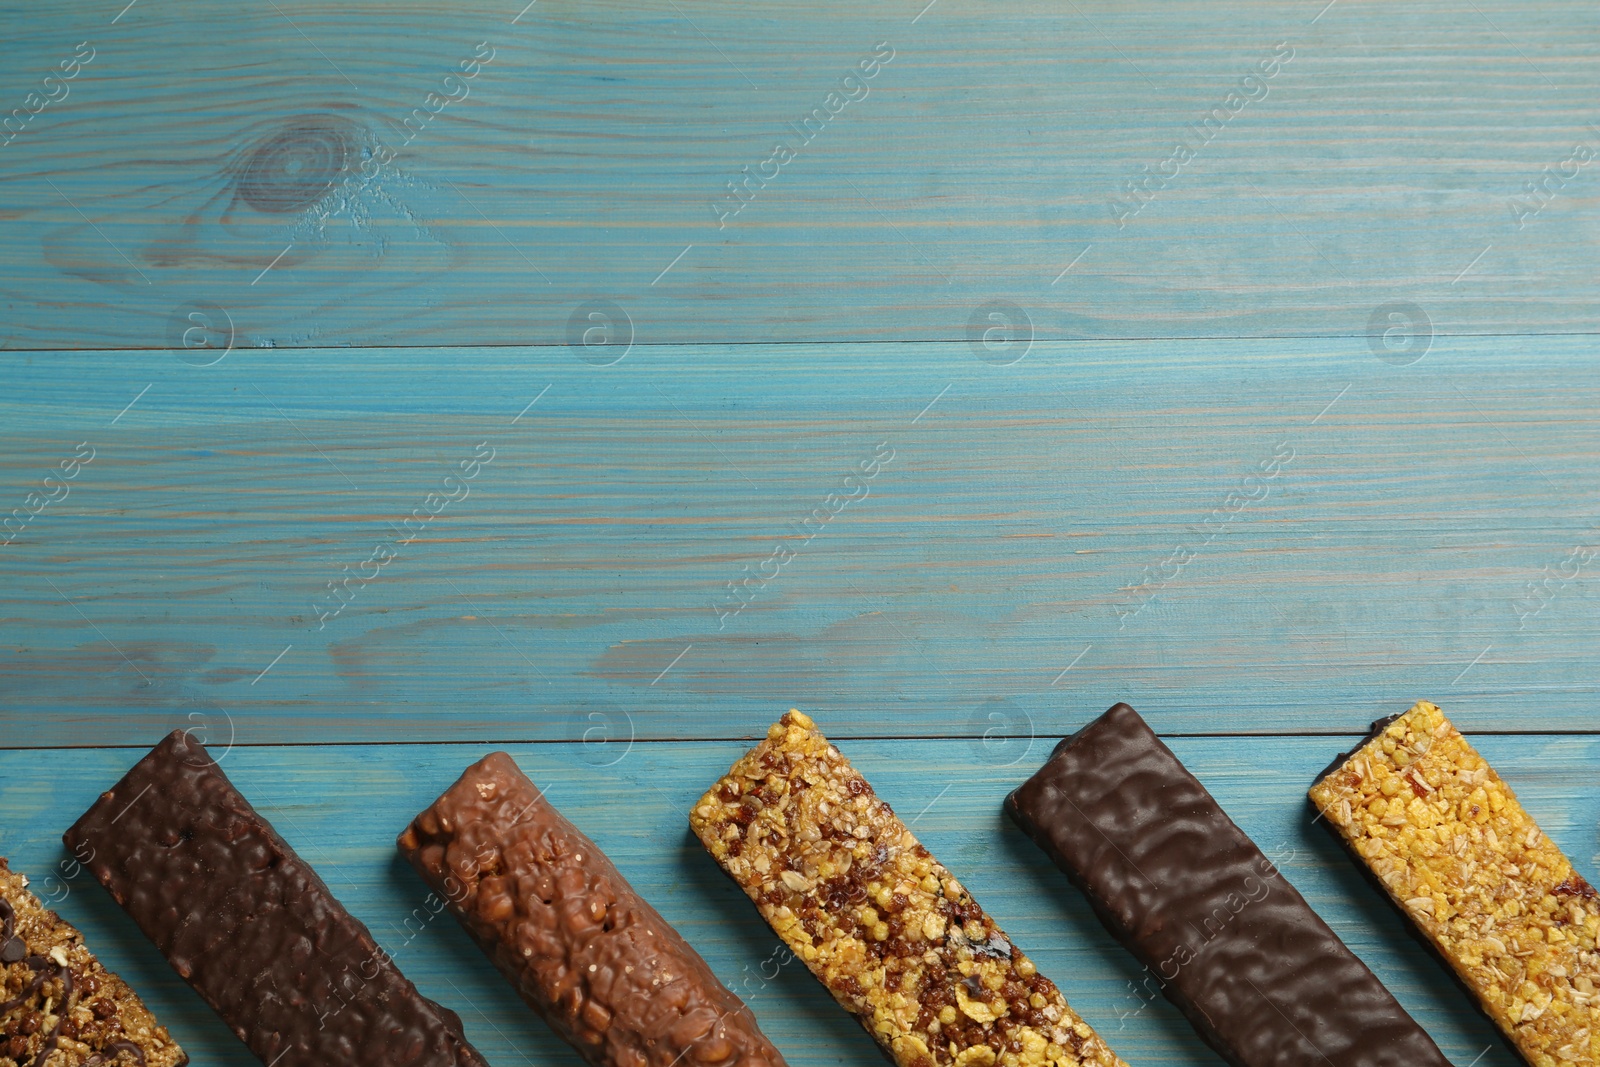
x,y
251,927
585,951
1234,946
58,1006
884,926
1447,841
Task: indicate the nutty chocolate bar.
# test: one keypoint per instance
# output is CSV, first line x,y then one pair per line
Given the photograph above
x,y
884,926
251,927
1498,901
1260,976
587,953
58,1006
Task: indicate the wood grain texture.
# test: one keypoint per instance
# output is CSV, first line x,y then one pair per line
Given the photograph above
x,y
342,806
1301,492
1379,163
1026,523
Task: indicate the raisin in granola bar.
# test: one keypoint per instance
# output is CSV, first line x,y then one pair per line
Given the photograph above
x,y
58,1006
1467,865
885,927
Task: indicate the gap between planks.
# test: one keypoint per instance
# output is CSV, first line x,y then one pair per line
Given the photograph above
x,y
752,739
813,342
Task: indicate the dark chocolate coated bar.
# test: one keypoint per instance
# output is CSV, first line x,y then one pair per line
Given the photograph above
x,y
251,927
586,952
1233,944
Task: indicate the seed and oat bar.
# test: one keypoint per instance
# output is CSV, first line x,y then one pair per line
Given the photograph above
x,y
885,927
249,925
58,1006
1260,976
587,953
1496,898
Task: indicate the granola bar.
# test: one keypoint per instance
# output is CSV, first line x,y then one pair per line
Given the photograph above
x,y
58,1006
1458,855
587,953
884,926
1229,941
249,925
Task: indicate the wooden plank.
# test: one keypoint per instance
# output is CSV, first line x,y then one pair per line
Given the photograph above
x,y
1362,535
342,806
1380,161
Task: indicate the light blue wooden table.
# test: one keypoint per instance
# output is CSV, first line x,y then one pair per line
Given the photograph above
x,y
385,384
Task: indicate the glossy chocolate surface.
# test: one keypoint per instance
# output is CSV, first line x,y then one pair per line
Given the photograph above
x,y
586,952
1231,943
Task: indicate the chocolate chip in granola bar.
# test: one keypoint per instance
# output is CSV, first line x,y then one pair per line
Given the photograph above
x,y
995,948
1576,886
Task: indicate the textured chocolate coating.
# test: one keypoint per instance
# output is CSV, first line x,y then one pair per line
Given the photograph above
x,y
591,956
251,927
1238,950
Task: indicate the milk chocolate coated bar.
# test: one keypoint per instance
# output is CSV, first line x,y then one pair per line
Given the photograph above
x,y
58,1006
1495,897
885,927
1233,944
585,951
251,927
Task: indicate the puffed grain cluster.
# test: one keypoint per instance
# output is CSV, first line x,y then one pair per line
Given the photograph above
x,y
58,1005
1465,862
584,950
895,938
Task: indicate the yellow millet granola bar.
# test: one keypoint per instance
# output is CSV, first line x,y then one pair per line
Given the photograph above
x,y
896,939
1465,863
